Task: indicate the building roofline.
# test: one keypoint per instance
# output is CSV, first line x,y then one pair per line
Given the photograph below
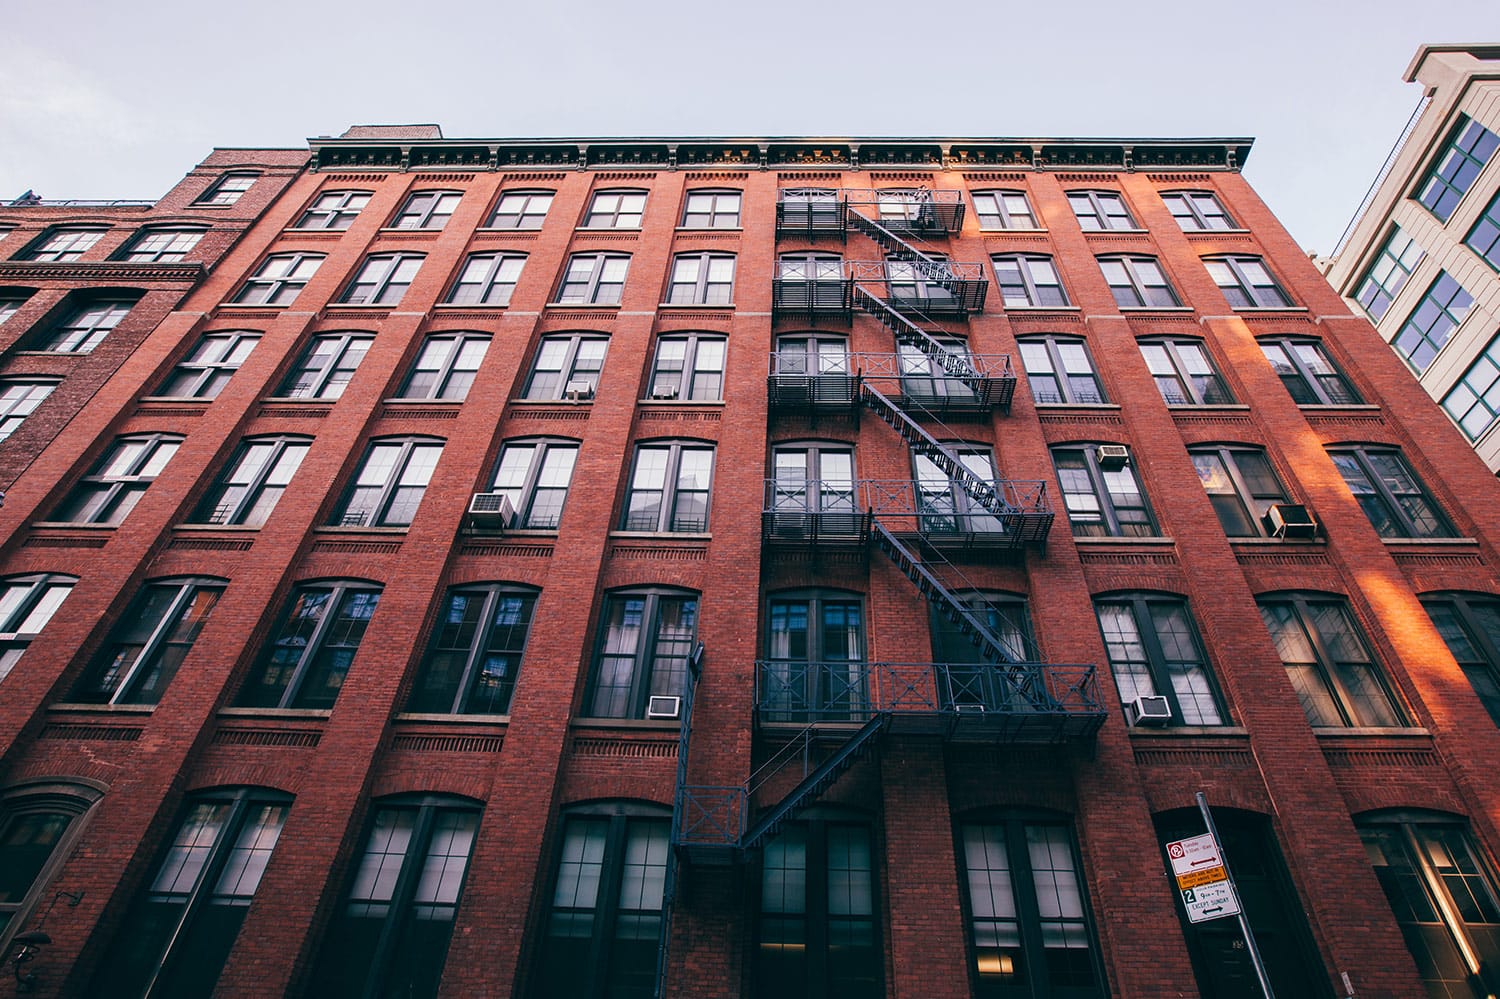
x,y
1483,51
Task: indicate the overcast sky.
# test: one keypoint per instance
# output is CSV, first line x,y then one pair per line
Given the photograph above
x,y
112,99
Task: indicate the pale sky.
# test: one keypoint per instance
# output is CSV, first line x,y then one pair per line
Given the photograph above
x,y
111,99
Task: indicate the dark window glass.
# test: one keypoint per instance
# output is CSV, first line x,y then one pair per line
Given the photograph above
x,y
475,654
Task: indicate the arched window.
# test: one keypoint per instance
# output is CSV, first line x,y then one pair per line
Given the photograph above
x,y
646,638
149,642
39,823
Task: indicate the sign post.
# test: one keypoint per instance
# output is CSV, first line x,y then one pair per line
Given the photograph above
x,y
1207,888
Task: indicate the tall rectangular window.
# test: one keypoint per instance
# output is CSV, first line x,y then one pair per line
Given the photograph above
x,y
1469,148
1387,275
1241,485
1474,403
162,245
446,366
118,480
523,210
567,367
19,400
204,372
1103,497
1003,210
1390,493
334,210
1184,373
279,279
711,210
615,210
1059,370
669,488
474,657
487,279
1484,237
249,488
325,368
1100,210
593,279
149,643
84,327
1470,626
1441,311
1028,281
1310,377
306,661
63,244
382,279
1138,282
702,279
1154,650
1336,679
1246,283
1197,211
427,210
27,603
390,483
688,366
534,477
646,639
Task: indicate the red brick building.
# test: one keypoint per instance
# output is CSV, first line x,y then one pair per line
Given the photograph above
x,y
736,567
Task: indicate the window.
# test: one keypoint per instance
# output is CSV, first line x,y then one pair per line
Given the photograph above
x,y
326,366
567,363
279,279
487,279
520,210
615,210
149,643
118,480
390,935
1103,497
475,654
810,283
1330,667
1184,373
904,208
250,488
1241,485
1028,281
924,379
390,483
1138,282
702,279
1059,369
162,246
1433,321
1442,891
1101,210
816,931
382,279
334,210
446,366
689,366
38,825
1309,376
1474,402
11,300
669,488
1003,210
711,210
1468,149
815,657
646,638
227,190
19,400
1007,618
1390,493
1246,283
1484,238
426,210
534,476
1024,896
594,279
1154,650
204,373
1470,626
1197,210
63,244
945,504
179,930
27,603
1385,278
817,480
926,286
85,326
305,664
605,918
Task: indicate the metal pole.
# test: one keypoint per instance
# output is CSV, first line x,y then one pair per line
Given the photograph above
x,y
1260,968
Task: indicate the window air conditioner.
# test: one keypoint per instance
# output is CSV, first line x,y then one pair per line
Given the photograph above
x,y
579,388
1112,456
1152,710
661,706
1291,520
664,392
491,510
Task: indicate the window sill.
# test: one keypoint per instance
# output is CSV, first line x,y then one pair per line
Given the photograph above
x,y
210,528
534,403
1173,309
397,400
630,230
441,307
275,712
1265,542
1092,407
177,399
1114,232
697,305
508,231
669,724
1212,407
1334,407
51,353
600,306
1018,232
364,306
527,532
1433,542
714,403
1215,232
1041,308
112,709
1269,308
258,306
56,524
1403,732
310,401
1186,731
451,719
663,535
710,228
418,231
1089,541
360,529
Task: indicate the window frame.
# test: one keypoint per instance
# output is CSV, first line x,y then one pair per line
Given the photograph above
x,y
1299,371
593,289
227,188
1057,349
305,668
1337,707
453,375
390,494
1455,168
264,288
502,272
427,210
250,508
805,685
1247,517
93,318
1481,663
1026,281
701,288
1388,273
653,669
531,481
1160,671
1193,388
99,492
60,244
1106,505
385,286
1419,339
15,409
478,656
524,216
206,370
1100,216
134,664
1193,210
68,800
713,213
1386,499
1243,293
1486,401
338,215
684,381
569,369
1004,217
598,217
27,616
670,490
1138,287
327,374
172,252
1487,246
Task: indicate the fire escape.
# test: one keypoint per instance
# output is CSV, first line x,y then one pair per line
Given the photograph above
x,y
926,526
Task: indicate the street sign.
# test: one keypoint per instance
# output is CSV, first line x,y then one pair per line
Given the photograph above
x,y
1202,878
1194,854
1210,901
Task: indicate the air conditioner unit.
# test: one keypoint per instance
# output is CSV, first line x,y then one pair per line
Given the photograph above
x,y
1152,710
660,706
491,510
664,392
579,388
1112,456
1291,520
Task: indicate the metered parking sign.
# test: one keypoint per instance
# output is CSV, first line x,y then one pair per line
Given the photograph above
x,y
1210,901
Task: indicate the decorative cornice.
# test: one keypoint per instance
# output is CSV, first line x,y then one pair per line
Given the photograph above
x,y
108,270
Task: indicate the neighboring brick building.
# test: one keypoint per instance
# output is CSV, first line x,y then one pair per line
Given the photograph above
x,y
1422,257
373,628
